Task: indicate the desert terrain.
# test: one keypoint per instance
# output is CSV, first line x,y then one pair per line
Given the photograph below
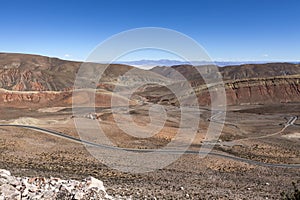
x,y
257,155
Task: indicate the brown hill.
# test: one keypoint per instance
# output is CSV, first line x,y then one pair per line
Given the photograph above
x,y
245,84
23,72
259,70
38,81
31,80
229,72
270,90
36,73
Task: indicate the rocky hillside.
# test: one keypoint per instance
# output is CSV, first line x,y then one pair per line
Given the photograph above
x,y
259,70
31,80
36,73
272,90
245,84
229,72
22,72
38,81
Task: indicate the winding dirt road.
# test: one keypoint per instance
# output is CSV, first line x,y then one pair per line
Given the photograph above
x,y
212,153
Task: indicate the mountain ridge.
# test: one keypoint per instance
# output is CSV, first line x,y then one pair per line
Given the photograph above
x,y
33,80
148,64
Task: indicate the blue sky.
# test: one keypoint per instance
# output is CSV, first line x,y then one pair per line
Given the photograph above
x,y
229,30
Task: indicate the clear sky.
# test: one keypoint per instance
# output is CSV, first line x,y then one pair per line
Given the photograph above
x,y
230,30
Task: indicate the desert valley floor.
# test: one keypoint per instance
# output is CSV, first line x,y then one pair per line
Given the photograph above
x,y
267,134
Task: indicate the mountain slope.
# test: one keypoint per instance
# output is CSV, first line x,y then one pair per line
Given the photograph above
x,y
229,72
22,72
245,84
31,80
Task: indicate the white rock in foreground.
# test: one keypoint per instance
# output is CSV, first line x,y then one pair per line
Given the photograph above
x,y
15,188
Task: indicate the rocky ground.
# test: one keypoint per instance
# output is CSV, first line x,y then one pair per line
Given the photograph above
x,y
210,178
15,188
29,154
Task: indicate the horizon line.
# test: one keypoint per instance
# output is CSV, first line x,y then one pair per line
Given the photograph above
x,y
160,59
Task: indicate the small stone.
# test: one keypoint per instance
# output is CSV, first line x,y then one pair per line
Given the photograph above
x,y
36,197
3,181
64,194
19,187
25,192
32,188
95,183
79,195
5,178
48,195
32,180
10,192
3,171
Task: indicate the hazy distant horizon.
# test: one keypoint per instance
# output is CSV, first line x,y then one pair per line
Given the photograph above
x,y
163,60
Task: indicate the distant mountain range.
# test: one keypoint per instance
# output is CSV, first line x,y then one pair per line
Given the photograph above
x,y
148,64
39,81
